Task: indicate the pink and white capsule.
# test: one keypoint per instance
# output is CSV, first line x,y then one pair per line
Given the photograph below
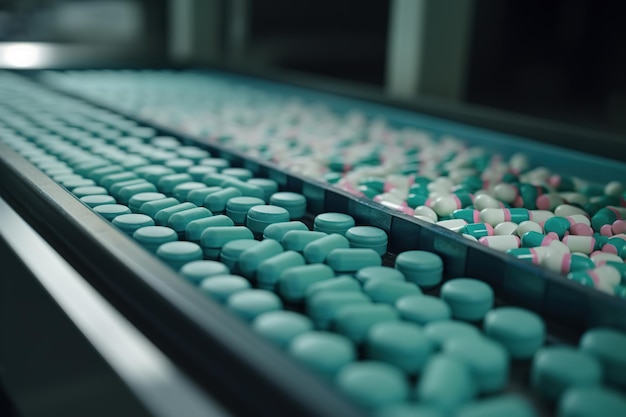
x,y
505,228
566,210
528,226
454,224
583,244
500,243
483,201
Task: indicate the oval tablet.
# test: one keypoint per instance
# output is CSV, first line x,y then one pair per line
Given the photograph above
x,y
111,211
439,332
229,255
608,346
591,402
323,352
249,304
281,327
445,383
261,216
423,309
349,259
196,271
421,267
270,270
372,384
333,223
294,281
298,239
399,343
381,290
277,231
520,331
129,223
468,298
221,287
507,405
379,272
354,321
251,258
367,237
294,203
318,250
322,306
177,254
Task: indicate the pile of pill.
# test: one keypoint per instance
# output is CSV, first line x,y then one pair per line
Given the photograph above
x,y
567,225
392,337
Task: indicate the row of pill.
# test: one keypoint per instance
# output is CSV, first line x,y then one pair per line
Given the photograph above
x,y
423,315
400,168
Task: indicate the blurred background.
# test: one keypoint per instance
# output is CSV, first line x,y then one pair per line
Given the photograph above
x,y
561,60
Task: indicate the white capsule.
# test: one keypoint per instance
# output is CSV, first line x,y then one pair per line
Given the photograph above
x,y
574,198
500,243
445,205
558,247
601,257
540,216
483,201
469,237
518,162
583,244
528,226
608,275
440,184
454,224
614,188
505,228
506,192
549,201
426,212
565,210
579,218
425,218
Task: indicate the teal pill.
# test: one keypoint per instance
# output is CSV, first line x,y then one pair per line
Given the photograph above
x,y
126,193
558,225
469,299
218,236
423,309
108,180
367,237
323,352
261,216
111,211
379,272
268,186
249,304
350,260
221,287
153,173
198,195
591,402
339,283
354,321
129,223
324,305
231,251
218,163
162,217
507,405
373,384
603,216
167,183
270,270
216,202
237,208
409,409
118,187
182,190
177,254
333,223
198,172
180,220
75,183
399,343
607,346
250,259
488,361
294,203
195,272
242,174
90,190
137,200
99,173
298,239
151,208
318,250
446,383
195,228
439,332
558,368
179,164
151,237
247,189
294,281
381,290
281,327
277,231
421,267
520,331
97,200
216,179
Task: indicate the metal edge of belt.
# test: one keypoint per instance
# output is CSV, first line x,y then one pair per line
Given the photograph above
x,y
153,378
